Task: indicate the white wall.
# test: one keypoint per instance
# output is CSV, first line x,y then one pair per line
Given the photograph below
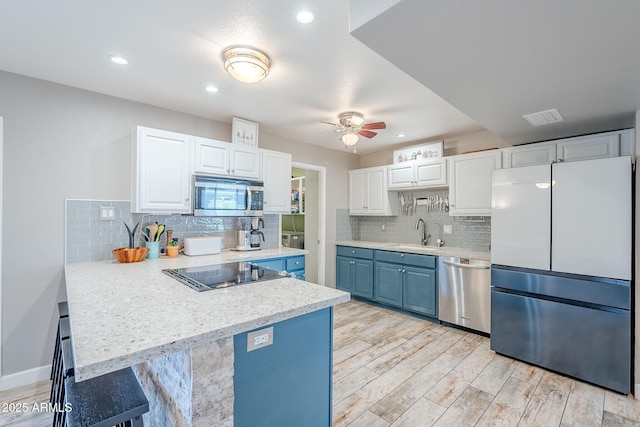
x,y
62,142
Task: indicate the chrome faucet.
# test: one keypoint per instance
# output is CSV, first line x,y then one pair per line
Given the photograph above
x,y
425,239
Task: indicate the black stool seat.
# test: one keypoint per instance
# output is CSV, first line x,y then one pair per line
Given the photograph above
x,y
106,400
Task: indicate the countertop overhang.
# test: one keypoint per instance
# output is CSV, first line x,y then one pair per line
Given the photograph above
x,y
125,314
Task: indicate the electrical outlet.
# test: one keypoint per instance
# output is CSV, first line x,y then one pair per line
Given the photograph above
x,y
259,339
384,227
447,229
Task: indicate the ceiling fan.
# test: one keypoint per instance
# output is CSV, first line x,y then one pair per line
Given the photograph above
x,y
352,124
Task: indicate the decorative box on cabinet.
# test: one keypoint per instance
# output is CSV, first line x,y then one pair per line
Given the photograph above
x,y
223,158
368,193
470,182
161,171
354,270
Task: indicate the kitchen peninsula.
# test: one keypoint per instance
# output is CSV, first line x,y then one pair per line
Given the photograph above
x,y
184,344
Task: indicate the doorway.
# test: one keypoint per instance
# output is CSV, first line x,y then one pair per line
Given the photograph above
x,y
304,227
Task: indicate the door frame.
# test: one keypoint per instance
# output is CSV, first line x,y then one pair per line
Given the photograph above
x,y
322,215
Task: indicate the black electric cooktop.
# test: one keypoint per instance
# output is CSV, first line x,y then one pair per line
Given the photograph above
x,y
222,276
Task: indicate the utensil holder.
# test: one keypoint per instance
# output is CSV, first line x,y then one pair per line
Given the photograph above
x,y
154,249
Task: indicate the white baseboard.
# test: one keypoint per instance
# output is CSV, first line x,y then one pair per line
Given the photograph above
x,y
27,377
637,393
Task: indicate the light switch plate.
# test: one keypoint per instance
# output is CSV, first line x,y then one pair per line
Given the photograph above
x,y
259,339
107,213
448,229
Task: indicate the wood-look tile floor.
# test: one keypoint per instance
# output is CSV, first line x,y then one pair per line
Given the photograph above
x,y
392,369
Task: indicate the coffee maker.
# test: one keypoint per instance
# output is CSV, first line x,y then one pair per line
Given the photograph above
x,y
249,240
256,234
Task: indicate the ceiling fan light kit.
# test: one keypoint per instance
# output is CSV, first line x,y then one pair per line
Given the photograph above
x,y
352,124
246,64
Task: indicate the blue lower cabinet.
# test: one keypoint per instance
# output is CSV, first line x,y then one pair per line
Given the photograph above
x,y
402,280
355,275
419,292
294,265
287,383
388,283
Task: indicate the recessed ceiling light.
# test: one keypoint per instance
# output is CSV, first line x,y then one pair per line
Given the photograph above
x,y
118,60
304,17
401,135
211,89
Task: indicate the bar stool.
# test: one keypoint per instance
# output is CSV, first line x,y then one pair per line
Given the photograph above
x,y
106,401
63,311
112,399
57,383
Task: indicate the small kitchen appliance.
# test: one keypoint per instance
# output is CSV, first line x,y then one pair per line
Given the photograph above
x,y
226,197
204,245
244,241
255,233
220,276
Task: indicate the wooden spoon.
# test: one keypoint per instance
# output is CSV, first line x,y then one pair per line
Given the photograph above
x,y
153,229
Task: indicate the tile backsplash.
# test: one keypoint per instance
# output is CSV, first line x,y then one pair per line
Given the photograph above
x,y
88,238
475,235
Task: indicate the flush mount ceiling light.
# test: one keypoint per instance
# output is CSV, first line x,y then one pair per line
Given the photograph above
x,y
246,64
304,17
118,60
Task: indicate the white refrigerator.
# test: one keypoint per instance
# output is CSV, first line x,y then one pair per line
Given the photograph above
x,y
561,263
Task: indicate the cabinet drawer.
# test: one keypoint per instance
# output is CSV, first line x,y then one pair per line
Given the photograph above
x,y
295,263
272,264
427,261
354,252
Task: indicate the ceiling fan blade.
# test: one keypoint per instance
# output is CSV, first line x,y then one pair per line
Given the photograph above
x,y
367,133
376,125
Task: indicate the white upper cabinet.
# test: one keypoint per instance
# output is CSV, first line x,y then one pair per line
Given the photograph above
x,y
597,146
276,174
368,193
589,147
529,155
161,171
470,182
418,174
223,158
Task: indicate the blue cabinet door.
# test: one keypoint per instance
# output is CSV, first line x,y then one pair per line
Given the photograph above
x,y
287,383
419,293
388,283
362,270
343,274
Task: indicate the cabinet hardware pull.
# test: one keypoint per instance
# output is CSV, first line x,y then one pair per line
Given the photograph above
x,y
400,270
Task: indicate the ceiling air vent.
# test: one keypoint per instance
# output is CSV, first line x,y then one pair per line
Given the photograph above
x,y
543,117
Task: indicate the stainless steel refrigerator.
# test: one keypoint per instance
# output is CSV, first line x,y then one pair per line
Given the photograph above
x,y
561,274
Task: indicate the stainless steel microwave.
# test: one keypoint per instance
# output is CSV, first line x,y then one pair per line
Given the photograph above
x,y
214,196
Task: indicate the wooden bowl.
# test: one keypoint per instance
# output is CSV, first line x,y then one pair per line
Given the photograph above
x,y
130,254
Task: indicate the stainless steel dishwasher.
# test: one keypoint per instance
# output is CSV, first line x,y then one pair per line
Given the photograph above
x,y
464,292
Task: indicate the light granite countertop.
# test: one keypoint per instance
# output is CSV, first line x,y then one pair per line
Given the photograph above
x,y
422,250
125,314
